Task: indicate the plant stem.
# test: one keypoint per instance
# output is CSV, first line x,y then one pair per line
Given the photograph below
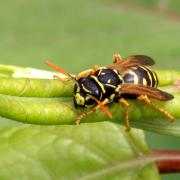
x,y
170,163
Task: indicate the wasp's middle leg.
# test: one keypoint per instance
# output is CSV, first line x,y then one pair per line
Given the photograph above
x,y
126,106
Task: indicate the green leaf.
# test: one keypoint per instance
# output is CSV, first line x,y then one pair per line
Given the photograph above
x,y
29,84
26,87
167,77
62,111
88,151
52,111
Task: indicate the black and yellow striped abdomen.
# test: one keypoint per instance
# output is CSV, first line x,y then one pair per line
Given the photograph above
x,y
140,75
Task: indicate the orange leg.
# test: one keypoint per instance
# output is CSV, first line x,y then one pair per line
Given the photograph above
x,y
62,79
126,106
116,58
83,115
148,101
87,72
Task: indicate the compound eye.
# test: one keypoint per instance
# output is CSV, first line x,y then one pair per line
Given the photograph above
x,y
79,99
76,88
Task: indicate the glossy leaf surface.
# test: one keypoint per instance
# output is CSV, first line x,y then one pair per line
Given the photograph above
x,y
88,151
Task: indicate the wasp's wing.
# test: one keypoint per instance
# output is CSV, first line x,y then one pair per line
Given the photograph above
x,y
145,90
132,61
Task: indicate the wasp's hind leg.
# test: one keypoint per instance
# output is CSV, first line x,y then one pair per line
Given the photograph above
x,y
116,58
148,101
126,111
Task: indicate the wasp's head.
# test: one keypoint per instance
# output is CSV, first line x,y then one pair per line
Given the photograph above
x,y
86,90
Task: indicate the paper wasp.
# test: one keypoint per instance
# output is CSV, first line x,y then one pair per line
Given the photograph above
x,y
126,78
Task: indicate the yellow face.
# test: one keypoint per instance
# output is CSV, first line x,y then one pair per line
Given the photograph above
x,y
85,101
80,100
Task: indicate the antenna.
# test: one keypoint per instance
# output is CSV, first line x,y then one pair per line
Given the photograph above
x,y
57,68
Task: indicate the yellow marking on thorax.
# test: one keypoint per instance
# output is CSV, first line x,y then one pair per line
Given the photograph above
x,y
118,74
110,85
100,70
109,81
99,83
86,89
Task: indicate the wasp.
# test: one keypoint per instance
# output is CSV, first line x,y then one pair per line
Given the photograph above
x,y
124,79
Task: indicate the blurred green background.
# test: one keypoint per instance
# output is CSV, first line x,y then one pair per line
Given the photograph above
x,y
78,34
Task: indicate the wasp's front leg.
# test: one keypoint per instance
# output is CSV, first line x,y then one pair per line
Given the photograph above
x,y
85,114
87,72
62,79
